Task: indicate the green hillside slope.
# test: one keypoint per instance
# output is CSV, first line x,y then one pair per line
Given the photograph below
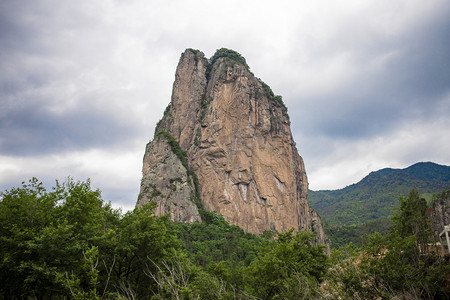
x,y
375,197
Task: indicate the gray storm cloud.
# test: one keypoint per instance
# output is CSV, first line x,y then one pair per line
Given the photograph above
x,y
86,81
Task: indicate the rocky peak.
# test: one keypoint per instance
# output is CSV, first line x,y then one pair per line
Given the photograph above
x,y
236,135
440,211
188,91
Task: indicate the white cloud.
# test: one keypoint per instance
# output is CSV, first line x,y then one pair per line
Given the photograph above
x,y
111,171
347,162
96,76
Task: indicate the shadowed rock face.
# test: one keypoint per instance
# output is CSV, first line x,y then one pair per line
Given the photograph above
x,y
440,212
166,180
237,138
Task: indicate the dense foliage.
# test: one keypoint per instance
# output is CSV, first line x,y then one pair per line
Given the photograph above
x,y
214,240
230,54
403,264
288,268
344,234
68,243
364,207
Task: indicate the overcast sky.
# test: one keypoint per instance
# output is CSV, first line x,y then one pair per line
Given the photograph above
x,y
83,83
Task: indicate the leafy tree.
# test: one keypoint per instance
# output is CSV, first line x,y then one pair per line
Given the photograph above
x,y
288,267
398,264
412,219
69,243
341,236
374,199
141,237
214,240
25,212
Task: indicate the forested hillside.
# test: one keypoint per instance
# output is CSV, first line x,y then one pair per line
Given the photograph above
x,y
365,206
68,243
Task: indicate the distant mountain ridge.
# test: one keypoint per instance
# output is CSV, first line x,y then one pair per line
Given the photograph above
x,y
376,195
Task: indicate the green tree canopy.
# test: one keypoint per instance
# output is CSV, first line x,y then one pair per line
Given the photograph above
x,y
289,267
69,243
401,264
412,219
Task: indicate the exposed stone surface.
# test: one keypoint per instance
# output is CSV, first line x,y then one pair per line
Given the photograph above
x,y
165,180
181,118
440,214
318,229
238,141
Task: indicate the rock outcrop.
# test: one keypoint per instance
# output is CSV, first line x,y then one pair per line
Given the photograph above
x,y
166,180
236,136
440,212
317,227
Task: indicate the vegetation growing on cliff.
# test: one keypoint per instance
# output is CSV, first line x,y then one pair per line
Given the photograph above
x,y
270,95
204,103
182,156
176,149
238,58
230,54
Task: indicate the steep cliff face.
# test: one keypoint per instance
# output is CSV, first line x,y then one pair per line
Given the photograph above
x,y
236,134
317,227
166,180
440,213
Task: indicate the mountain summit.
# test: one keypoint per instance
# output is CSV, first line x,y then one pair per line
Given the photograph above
x,y
376,195
224,144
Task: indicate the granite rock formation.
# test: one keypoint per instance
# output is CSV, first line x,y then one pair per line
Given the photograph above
x,y
235,136
440,212
167,181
